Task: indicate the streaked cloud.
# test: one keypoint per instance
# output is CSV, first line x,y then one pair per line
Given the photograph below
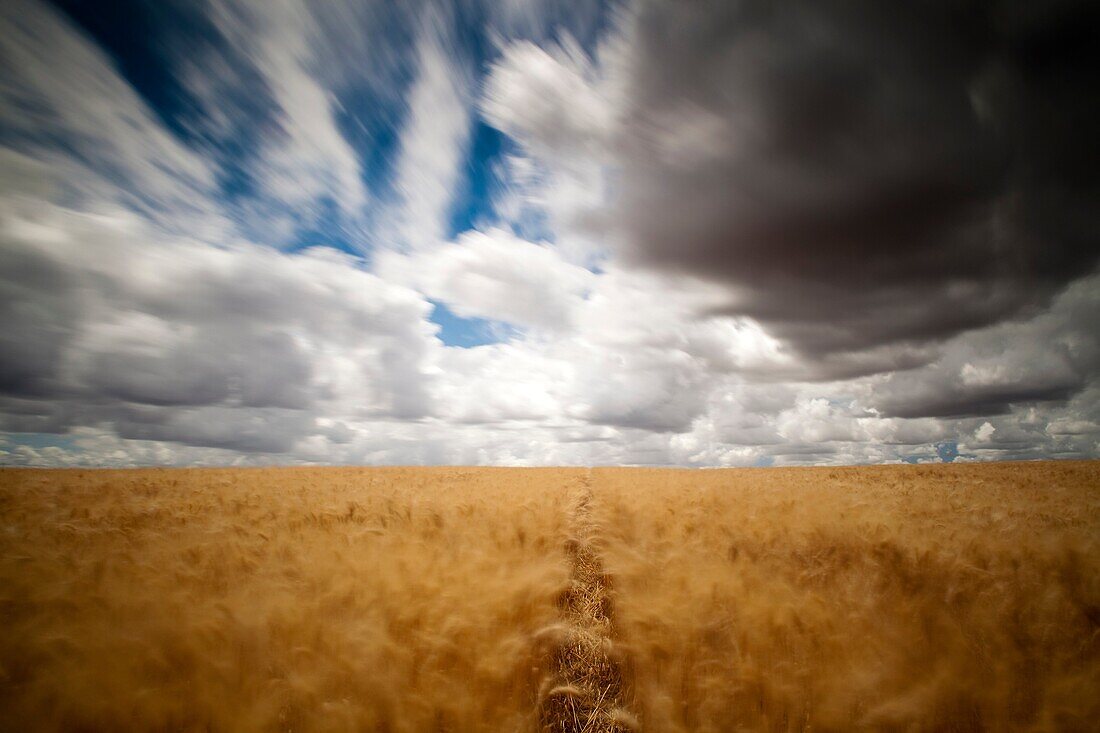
x,y
700,234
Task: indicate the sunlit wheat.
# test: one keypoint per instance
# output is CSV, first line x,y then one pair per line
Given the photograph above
x,y
949,598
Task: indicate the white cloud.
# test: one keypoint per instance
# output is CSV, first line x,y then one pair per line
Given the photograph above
x,y
305,157
554,103
496,275
59,86
550,101
432,143
500,383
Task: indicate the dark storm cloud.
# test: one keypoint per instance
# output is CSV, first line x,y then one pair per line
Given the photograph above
x,y
866,173
1049,358
989,400
35,318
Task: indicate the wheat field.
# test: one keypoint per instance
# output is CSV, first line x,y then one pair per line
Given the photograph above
x,y
956,598
339,599
902,598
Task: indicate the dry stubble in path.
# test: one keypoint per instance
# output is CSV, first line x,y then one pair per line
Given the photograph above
x,y
588,686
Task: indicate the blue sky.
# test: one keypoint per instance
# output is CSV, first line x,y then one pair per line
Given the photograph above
x,y
148,43
538,232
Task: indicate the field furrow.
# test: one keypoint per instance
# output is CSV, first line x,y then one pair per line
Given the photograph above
x,y
588,687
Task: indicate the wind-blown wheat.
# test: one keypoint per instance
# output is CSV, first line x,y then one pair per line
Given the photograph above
x,y
293,599
893,598
957,598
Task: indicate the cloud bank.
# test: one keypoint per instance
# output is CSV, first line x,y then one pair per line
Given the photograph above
x,y
682,233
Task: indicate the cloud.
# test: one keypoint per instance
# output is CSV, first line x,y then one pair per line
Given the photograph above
x,y
61,100
261,88
720,234
433,141
496,275
549,100
238,337
1048,358
855,177
503,383
553,101
858,176
37,321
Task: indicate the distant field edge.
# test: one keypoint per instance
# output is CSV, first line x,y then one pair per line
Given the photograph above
x,y
918,468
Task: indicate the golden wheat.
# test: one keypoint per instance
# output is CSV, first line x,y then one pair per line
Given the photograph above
x,y
276,599
894,598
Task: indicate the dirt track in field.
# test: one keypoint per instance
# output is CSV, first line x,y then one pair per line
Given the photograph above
x,y
587,691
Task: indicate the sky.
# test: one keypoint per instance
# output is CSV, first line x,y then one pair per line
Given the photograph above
x,y
537,232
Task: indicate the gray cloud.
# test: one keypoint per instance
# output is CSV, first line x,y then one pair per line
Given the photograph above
x,y
241,348
36,313
860,174
266,430
949,400
1048,358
